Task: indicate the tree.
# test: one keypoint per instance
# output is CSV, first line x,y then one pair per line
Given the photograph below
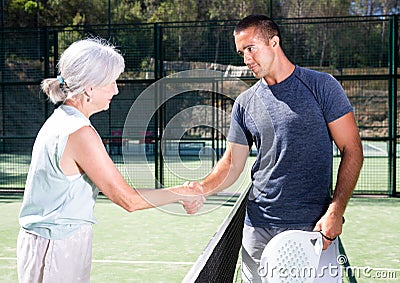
x,y
233,10
23,13
374,7
33,13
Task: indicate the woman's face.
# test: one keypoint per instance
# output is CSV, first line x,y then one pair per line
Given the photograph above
x,y
101,96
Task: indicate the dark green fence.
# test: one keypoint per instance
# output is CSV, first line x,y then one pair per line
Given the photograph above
x,y
361,52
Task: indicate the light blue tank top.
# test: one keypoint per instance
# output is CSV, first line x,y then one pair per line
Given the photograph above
x,y
55,205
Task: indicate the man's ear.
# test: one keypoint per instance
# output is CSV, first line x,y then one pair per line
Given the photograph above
x,y
274,41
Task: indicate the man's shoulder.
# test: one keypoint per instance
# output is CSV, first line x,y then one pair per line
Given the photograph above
x,y
311,74
250,92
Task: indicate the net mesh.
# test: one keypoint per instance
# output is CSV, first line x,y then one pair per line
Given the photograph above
x,y
219,260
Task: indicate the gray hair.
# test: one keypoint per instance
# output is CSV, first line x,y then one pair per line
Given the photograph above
x,y
85,63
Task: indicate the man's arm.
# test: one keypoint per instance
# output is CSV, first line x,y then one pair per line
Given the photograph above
x,y
227,170
345,134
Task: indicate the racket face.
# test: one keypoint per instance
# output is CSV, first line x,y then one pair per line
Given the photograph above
x,y
291,256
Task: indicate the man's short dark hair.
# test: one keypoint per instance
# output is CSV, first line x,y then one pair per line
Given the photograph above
x,y
265,25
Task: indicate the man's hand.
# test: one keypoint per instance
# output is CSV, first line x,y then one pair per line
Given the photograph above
x,y
330,227
195,197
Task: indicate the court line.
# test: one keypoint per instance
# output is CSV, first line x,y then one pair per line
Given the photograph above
x,y
181,263
126,261
142,262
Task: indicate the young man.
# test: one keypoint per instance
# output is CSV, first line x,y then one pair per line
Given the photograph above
x,y
292,115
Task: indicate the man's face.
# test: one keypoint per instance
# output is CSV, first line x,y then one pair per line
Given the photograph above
x,y
257,53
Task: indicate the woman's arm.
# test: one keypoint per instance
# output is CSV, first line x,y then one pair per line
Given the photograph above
x,y
86,153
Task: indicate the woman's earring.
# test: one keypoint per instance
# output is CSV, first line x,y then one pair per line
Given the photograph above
x,y
88,97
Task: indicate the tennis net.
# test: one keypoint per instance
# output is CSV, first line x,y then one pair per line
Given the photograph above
x,y
219,260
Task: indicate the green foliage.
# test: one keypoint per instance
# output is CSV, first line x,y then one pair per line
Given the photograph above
x,y
370,8
128,12
30,7
24,12
76,12
30,13
321,44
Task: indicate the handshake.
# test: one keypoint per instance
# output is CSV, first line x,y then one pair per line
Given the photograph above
x,y
193,197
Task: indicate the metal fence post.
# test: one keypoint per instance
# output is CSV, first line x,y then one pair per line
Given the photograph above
x,y
158,124
393,63
3,69
46,55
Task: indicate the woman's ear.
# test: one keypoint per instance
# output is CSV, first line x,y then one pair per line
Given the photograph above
x,y
88,90
88,93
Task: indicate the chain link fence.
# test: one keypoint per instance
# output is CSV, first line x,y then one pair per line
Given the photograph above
x,y
361,52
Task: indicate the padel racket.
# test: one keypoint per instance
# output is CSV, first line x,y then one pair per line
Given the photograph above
x,y
291,256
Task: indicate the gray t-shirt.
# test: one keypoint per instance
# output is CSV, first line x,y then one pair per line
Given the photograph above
x,y
287,122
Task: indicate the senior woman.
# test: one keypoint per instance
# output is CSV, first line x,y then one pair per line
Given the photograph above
x,y
70,165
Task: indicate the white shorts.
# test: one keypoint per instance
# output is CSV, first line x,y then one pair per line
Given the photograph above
x,y
43,260
254,241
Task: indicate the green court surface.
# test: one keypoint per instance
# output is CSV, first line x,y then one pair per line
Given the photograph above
x,y
158,246
371,239
145,246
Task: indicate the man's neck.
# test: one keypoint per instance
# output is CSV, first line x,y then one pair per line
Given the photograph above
x,y
283,70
